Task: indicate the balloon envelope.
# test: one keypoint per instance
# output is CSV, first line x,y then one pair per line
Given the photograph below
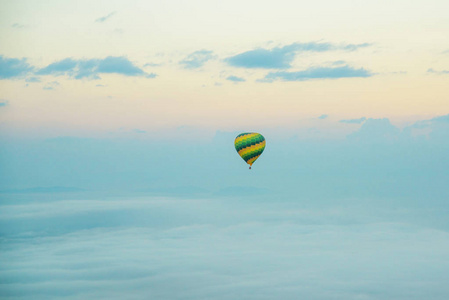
x,y
249,146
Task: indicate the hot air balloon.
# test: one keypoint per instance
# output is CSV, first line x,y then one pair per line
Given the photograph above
x,y
249,146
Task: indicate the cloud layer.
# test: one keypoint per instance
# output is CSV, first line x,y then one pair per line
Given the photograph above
x,y
13,67
377,159
318,73
168,248
442,72
197,59
105,18
275,58
92,68
354,121
282,57
235,78
315,220
322,117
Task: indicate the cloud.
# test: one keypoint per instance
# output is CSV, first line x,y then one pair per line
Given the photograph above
x,y
118,65
416,167
441,119
436,128
33,79
197,59
443,72
3,103
59,68
427,123
91,68
353,121
13,67
51,85
376,130
278,58
151,65
318,73
102,19
282,57
235,78
353,47
151,75
322,117
172,248
397,73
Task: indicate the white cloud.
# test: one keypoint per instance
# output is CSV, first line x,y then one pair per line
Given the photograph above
x,y
218,249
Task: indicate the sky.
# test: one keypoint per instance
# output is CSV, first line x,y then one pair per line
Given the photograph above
x,y
82,68
162,89
119,178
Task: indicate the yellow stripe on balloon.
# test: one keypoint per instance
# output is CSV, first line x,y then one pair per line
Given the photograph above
x,y
252,148
252,160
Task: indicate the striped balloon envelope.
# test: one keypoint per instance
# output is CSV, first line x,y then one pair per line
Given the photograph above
x,y
249,146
